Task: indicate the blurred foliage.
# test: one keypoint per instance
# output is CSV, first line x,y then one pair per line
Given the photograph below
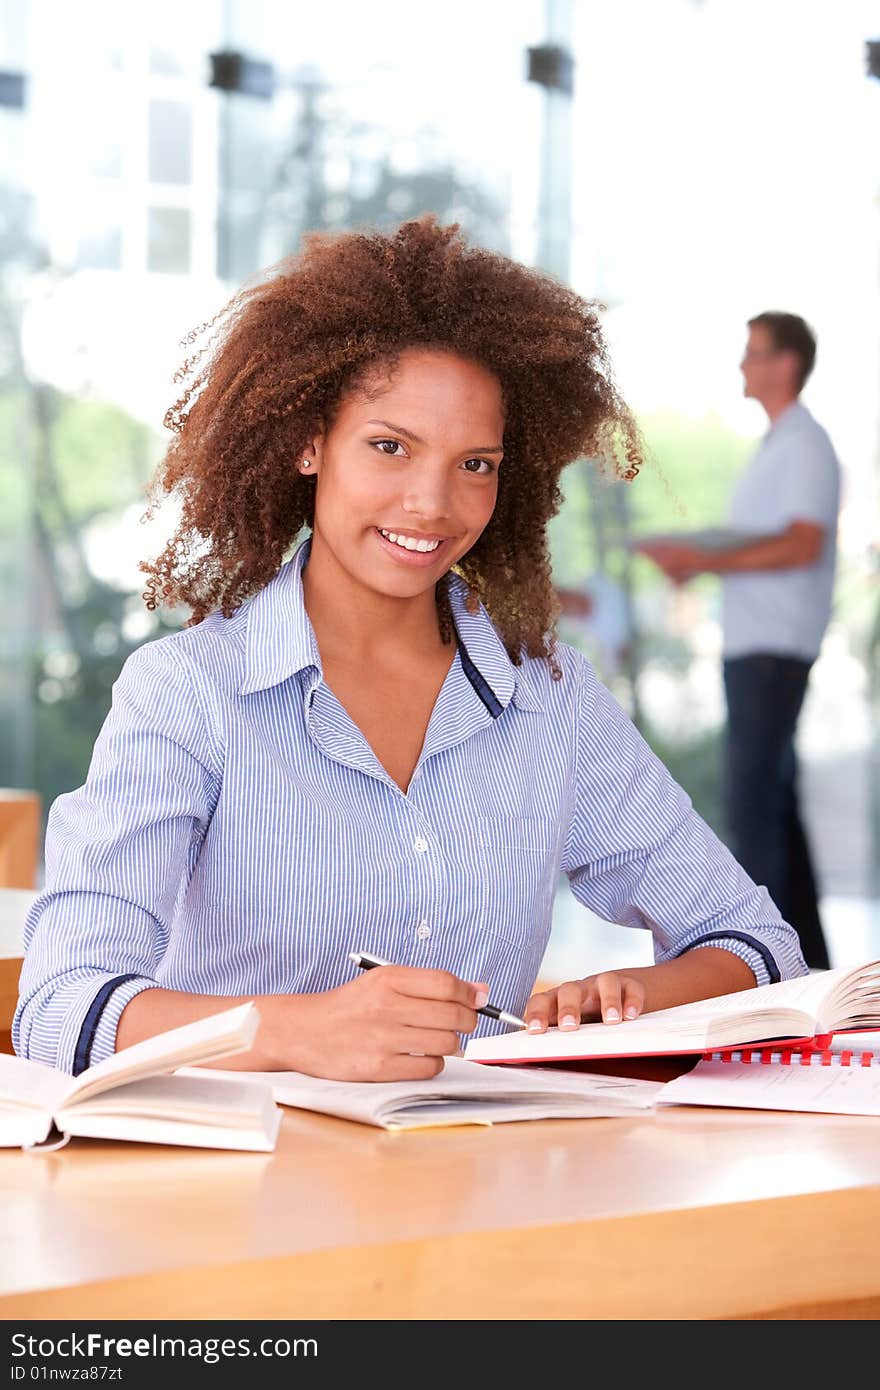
x,y
690,467
89,460
102,455
689,470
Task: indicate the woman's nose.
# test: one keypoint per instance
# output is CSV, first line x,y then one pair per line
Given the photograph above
x,y
427,495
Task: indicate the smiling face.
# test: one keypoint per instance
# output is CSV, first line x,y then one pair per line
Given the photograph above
x,y
407,474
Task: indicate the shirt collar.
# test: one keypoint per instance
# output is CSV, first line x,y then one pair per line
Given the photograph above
x,y
281,641
487,652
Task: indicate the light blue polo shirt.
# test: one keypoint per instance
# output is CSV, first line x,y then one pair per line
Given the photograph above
x,y
794,475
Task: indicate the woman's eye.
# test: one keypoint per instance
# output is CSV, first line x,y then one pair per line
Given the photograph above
x,y
478,466
388,446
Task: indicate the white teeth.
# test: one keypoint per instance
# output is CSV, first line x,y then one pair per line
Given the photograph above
x,y
409,542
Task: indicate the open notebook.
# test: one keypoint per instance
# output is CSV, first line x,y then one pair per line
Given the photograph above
x,y
840,1080
463,1094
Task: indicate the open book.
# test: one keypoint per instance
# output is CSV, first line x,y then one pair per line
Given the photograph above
x,y
463,1094
129,1096
807,1009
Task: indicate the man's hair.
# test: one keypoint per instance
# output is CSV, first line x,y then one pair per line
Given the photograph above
x,y
790,333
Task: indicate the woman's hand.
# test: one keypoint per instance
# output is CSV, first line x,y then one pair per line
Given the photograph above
x,y
393,1023
611,997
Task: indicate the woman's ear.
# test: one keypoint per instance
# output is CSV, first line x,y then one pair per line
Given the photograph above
x,y
310,459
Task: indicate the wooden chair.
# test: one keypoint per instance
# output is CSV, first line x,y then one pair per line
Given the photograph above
x,y
19,837
19,855
14,904
10,969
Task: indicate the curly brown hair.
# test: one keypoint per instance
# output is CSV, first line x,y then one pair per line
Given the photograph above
x,y
286,349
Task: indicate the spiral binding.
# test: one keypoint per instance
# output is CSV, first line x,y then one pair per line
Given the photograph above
x,y
800,1056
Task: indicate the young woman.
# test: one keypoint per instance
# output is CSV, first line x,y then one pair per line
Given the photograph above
x,y
375,744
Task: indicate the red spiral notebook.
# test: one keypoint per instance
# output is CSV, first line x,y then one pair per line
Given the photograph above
x,y
833,1080
804,1013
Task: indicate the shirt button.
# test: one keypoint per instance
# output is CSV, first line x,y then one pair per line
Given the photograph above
x,y
420,845
423,931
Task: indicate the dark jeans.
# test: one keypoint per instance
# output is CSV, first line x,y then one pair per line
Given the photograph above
x,y
764,696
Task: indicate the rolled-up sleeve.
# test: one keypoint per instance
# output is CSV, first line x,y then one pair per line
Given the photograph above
x,y
119,852
638,854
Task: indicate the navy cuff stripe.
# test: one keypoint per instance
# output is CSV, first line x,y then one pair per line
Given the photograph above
x,y
91,1021
763,952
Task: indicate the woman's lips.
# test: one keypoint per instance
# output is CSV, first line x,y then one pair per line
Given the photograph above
x,y
420,559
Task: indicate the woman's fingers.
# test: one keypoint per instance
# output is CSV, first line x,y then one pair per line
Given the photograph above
x,y
613,997
561,1005
610,997
569,1004
423,984
633,998
408,1066
407,997
430,1013
426,1042
541,1011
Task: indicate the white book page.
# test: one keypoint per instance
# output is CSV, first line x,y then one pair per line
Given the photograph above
x,y
489,1110
834,1090
190,1110
803,995
30,1085
855,997
208,1039
829,997
461,1081
136,1129
788,1008
19,1128
184,1097
857,1042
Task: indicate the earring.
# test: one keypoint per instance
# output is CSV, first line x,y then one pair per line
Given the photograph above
x,y
306,463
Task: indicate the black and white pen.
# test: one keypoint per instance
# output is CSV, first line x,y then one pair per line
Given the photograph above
x,y
364,961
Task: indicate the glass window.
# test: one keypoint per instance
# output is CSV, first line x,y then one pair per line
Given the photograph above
x,y
100,249
168,240
105,158
170,159
166,62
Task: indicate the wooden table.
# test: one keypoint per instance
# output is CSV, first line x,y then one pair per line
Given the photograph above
x,y
682,1214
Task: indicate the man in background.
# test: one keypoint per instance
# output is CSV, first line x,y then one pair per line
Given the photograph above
x,y
777,582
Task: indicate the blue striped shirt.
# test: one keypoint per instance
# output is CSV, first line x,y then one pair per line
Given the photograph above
x,y
237,835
